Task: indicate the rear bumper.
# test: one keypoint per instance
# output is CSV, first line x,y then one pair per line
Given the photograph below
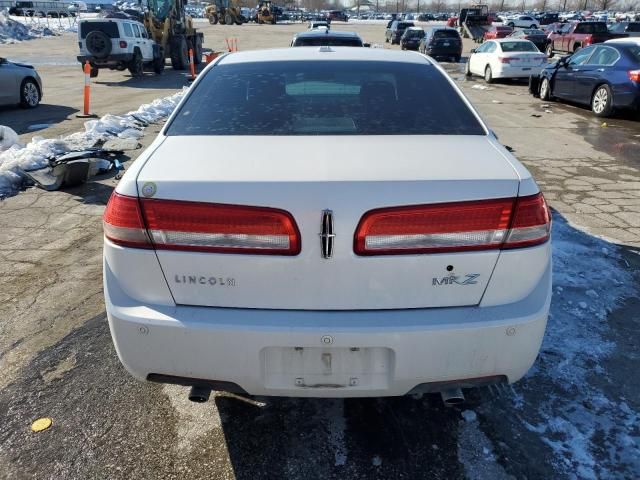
x,y
111,60
444,51
279,352
517,72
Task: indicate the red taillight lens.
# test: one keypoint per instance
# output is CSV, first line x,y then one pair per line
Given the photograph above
x,y
454,227
587,41
505,59
634,75
123,44
123,223
531,223
199,227
434,228
205,227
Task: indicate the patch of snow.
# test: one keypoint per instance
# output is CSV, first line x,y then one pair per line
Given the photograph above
x,y
16,159
579,422
13,30
477,86
8,138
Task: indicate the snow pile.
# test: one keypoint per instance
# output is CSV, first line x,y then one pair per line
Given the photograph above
x,y
18,158
12,31
582,424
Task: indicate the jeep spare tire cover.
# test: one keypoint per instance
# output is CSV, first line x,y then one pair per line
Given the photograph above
x,y
98,44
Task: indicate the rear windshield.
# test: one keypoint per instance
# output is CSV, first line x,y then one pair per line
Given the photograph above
x,y
328,40
324,98
633,27
110,28
414,33
533,32
404,25
634,51
518,47
504,29
445,34
591,27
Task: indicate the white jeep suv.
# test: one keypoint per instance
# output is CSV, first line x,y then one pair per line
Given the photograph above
x,y
523,21
241,254
118,44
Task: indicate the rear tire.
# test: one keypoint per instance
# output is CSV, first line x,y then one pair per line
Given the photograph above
x,y
197,51
158,64
136,67
549,50
532,27
29,94
228,19
179,53
602,101
213,19
467,69
488,74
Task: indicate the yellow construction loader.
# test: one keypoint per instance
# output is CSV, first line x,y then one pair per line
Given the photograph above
x,y
265,12
172,30
222,12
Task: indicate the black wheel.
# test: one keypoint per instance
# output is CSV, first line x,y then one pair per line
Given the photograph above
x,y
29,94
533,27
93,73
386,39
136,65
467,69
511,24
197,51
228,19
549,50
488,74
179,53
158,64
98,43
213,19
545,89
602,101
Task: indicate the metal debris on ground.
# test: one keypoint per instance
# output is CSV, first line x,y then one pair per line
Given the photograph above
x,y
73,168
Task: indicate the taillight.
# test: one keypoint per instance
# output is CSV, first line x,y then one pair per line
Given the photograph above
x,y
454,227
123,44
531,223
588,39
207,227
506,59
199,227
634,75
123,223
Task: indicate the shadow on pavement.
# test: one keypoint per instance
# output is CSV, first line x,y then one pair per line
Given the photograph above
x,y
32,120
168,79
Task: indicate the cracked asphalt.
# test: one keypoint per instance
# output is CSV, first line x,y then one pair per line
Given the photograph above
x,y
57,359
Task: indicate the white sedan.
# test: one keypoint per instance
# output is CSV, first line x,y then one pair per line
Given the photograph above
x,y
319,239
505,58
523,21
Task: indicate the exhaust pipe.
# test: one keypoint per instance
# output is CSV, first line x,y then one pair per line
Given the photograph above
x,y
199,394
452,397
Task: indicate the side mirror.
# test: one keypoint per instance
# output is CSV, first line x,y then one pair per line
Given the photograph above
x,y
473,50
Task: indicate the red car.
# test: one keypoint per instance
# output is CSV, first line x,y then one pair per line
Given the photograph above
x,y
497,32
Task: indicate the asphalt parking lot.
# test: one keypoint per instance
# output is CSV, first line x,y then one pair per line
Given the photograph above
x,y
575,415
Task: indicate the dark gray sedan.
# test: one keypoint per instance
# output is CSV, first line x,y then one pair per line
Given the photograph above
x,y
19,84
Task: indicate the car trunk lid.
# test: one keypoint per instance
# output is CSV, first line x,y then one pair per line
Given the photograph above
x,y
305,177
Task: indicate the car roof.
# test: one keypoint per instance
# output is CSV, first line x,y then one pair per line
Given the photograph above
x,y
323,54
509,40
626,41
326,34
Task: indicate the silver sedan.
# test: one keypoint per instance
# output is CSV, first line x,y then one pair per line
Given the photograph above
x,y
19,84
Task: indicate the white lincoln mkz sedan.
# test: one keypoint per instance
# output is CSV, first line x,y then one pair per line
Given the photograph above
x,y
327,222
